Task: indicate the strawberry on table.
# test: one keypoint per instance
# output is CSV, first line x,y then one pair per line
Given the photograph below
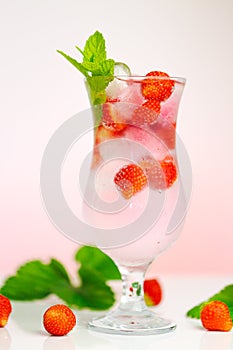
x,y
5,310
152,292
129,180
159,89
215,316
59,320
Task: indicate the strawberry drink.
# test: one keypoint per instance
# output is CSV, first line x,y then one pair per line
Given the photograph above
x,y
134,181
134,153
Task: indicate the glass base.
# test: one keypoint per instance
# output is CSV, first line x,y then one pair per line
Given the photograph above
x,y
136,323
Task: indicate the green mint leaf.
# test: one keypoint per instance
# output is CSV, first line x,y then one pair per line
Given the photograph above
x,y
94,55
99,263
94,50
96,86
97,111
75,63
107,68
80,50
91,67
225,295
97,69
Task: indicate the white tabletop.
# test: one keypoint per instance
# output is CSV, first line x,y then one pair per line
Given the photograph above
x,y
25,330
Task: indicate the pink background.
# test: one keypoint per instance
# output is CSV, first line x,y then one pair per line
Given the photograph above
x,y
39,91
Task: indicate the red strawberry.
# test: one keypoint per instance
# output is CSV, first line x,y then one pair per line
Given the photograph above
x,y
130,179
170,171
154,173
152,104
152,292
5,310
59,320
159,88
161,174
215,316
102,134
147,113
111,119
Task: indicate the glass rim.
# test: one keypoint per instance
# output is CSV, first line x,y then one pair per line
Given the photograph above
x,y
140,78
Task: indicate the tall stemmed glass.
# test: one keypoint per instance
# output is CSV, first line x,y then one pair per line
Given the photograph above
x,y
133,196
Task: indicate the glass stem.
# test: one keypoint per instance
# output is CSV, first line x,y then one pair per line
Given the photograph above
x,y
132,299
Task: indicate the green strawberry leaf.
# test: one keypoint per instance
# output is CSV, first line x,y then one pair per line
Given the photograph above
x,y
195,311
37,280
96,268
225,295
102,266
33,280
97,294
59,269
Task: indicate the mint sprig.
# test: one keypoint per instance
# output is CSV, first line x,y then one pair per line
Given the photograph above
x,y
37,280
94,50
225,295
95,66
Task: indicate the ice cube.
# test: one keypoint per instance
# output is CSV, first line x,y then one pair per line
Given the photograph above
x,y
132,94
116,87
149,142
